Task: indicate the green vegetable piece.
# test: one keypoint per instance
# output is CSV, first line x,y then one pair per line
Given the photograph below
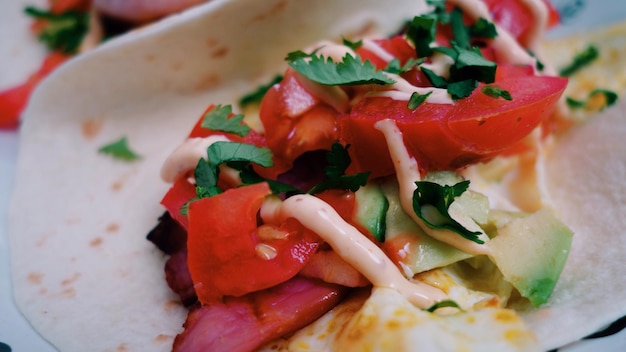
x,y
470,64
350,71
459,30
580,60
394,65
431,202
338,161
217,119
206,179
256,96
462,89
223,152
610,98
417,99
443,304
483,29
249,176
371,209
352,45
120,150
421,32
63,32
436,80
531,252
496,92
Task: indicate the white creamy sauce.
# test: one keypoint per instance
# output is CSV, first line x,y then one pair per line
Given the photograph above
x,y
407,173
372,46
354,247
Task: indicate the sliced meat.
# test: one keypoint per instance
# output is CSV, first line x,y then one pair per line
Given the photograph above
x,y
246,323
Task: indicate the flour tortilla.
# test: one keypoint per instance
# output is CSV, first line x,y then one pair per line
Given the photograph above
x,y
83,273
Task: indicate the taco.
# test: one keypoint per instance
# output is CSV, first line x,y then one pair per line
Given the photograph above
x,y
85,276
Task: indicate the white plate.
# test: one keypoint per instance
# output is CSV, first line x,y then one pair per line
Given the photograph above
x,y
23,54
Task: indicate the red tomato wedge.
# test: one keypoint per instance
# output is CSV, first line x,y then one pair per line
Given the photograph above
x,y
515,17
450,136
14,100
246,323
230,255
180,193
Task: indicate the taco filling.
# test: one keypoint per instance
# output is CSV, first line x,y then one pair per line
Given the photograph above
x,y
358,203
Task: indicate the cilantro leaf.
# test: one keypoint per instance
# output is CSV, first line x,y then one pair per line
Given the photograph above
x,y
350,71
249,176
431,202
394,65
119,149
257,95
421,32
417,99
459,30
298,54
436,80
206,179
483,29
470,64
496,92
223,152
350,44
610,98
442,304
64,31
338,161
349,182
217,119
580,60
462,89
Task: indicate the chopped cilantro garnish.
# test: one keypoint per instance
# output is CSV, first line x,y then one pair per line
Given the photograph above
x,y
496,92
436,80
350,71
120,150
64,31
352,45
442,304
459,30
249,176
462,89
217,119
431,202
226,152
257,95
483,29
417,99
298,54
470,64
421,32
338,161
610,98
581,59
394,65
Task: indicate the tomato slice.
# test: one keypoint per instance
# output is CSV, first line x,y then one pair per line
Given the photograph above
x,y
450,136
230,255
180,193
515,17
397,46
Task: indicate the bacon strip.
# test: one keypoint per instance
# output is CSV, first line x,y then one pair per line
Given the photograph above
x,y
246,323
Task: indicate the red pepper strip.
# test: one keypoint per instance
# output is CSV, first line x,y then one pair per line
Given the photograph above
x,y
246,323
14,100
